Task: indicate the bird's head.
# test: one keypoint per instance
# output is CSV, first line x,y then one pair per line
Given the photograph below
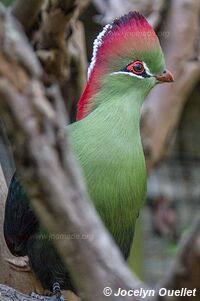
x,y
126,53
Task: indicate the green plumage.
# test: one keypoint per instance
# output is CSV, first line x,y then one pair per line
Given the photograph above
x,y
107,143
108,146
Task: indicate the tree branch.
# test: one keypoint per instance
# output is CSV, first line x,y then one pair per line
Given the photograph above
x,y
26,11
54,42
112,9
8,293
186,270
3,193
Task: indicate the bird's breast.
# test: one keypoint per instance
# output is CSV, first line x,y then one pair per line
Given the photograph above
x,y
111,156
116,180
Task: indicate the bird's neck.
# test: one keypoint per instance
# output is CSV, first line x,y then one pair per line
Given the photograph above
x,y
112,131
97,93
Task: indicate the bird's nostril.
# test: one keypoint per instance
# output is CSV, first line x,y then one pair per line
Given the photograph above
x,y
165,77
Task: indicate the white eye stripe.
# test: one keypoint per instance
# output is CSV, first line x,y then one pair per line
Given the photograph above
x,y
127,73
147,69
133,74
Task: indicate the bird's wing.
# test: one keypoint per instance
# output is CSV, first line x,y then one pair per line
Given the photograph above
x,y
20,221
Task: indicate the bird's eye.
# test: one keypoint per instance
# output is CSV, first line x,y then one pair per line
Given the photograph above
x,y
137,67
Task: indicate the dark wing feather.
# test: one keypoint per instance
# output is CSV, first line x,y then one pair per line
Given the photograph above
x,y
20,221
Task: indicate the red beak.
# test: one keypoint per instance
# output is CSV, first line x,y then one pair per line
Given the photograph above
x,y
165,77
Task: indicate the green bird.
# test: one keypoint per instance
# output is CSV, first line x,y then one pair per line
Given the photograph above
x,y
127,63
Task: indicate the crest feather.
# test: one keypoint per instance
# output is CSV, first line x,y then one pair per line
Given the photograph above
x,y
97,43
131,23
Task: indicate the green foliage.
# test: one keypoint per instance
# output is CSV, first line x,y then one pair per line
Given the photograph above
x,y
7,2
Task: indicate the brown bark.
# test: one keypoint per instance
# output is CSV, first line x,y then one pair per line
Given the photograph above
x,y
26,11
50,41
8,293
112,9
3,193
60,47
186,270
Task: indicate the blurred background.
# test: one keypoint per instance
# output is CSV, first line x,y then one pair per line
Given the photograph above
x,y
173,196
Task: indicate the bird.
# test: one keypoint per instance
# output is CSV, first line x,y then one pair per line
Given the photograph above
x,y
127,62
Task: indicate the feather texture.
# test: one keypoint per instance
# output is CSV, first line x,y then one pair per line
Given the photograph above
x,y
127,39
